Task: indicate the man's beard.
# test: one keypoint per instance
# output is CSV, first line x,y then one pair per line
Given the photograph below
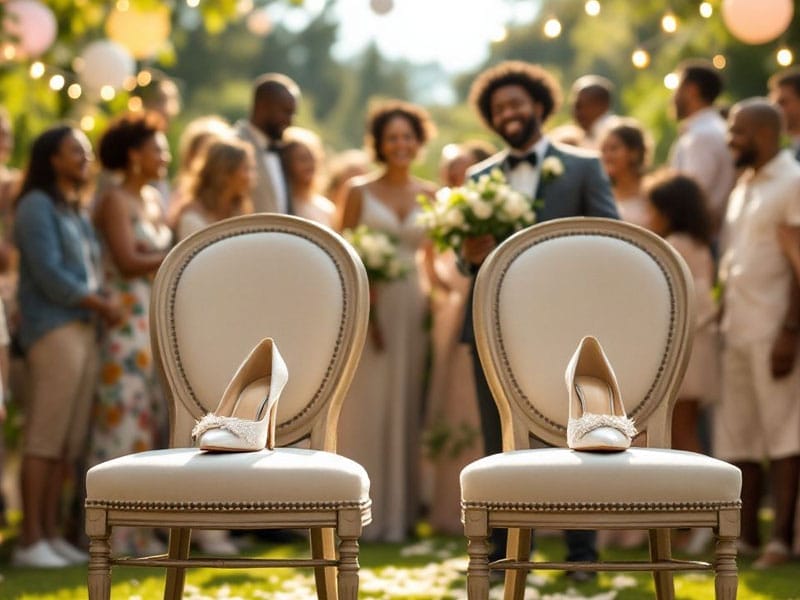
x,y
521,139
745,158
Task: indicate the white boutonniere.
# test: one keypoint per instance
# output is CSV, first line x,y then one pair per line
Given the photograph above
x,y
552,167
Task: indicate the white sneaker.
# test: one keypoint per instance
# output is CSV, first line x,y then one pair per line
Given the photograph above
x,y
38,555
214,541
73,555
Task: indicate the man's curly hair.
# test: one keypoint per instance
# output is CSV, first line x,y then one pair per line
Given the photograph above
x,y
540,85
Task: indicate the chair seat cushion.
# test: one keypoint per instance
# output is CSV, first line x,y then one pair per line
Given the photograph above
x,y
637,476
181,476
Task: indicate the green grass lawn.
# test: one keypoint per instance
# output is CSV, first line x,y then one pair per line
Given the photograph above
x,y
429,568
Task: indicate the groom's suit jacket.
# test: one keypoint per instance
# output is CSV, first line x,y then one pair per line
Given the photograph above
x,y
263,193
582,190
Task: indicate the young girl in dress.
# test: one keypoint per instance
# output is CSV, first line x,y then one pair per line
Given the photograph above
x,y
677,211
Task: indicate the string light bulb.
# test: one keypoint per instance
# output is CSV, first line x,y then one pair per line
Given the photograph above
x,y
107,93
144,78
87,122
784,56
719,61
552,28
671,81
592,8
192,3
706,10
57,82
640,58
37,70
74,91
669,22
135,104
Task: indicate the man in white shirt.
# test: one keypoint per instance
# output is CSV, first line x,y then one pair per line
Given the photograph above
x,y
275,99
701,150
758,417
784,90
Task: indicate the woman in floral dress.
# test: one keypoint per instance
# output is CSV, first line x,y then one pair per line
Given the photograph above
x,y
131,415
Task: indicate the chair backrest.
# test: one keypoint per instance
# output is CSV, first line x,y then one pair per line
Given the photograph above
x,y
228,286
546,287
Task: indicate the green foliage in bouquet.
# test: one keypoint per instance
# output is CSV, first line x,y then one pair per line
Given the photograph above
x,y
487,205
378,252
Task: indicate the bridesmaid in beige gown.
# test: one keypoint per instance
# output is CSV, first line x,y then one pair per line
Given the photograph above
x,y
381,417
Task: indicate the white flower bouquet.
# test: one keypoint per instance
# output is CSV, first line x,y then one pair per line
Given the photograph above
x,y
378,252
487,205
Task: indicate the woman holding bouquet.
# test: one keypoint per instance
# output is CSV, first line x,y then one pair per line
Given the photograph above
x,y
381,417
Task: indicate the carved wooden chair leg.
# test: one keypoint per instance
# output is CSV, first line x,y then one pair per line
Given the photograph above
x,y
99,554
323,546
660,549
476,529
726,577
179,538
348,530
518,548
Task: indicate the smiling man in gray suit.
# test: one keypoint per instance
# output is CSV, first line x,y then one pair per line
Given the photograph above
x,y
275,99
514,100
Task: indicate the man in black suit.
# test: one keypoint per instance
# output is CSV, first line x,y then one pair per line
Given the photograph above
x,y
275,99
514,100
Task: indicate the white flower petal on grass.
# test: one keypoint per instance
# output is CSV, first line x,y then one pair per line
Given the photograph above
x,y
620,582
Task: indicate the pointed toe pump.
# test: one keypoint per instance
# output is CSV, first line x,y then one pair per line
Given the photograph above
x,y
597,419
246,417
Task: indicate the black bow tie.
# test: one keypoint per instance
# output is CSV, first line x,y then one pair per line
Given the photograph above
x,y
273,147
513,161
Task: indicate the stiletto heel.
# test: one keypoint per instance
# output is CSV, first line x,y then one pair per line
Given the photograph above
x,y
597,419
245,419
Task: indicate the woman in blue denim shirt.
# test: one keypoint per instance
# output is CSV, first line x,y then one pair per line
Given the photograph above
x,y
59,297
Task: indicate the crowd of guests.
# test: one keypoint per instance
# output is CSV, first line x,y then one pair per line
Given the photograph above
x,y
81,243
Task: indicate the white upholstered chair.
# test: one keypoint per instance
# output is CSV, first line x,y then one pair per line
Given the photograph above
x,y
536,296
216,295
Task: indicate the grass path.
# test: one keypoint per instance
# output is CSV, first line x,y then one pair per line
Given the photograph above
x,y
432,568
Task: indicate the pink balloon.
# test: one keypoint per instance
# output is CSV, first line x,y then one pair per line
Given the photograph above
x,y
32,24
757,21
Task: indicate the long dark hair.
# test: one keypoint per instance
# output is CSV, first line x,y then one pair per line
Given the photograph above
x,y
682,202
40,174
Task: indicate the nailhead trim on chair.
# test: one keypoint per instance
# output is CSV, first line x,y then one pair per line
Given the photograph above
x,y
173,337
603,506
496,314
225,506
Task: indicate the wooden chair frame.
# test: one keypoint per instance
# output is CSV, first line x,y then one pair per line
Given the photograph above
x,y
521,422
336,576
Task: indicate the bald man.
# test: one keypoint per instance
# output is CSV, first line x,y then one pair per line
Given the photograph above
x,y
275,99
758,417
591,107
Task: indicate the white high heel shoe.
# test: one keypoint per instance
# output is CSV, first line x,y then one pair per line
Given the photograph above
x,y
597,419
246,416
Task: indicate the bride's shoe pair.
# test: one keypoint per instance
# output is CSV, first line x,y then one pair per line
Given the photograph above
x,y
597,419
246,416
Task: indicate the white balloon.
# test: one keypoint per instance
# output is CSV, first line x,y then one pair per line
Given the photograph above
x,y
757,21
381,7
105,63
